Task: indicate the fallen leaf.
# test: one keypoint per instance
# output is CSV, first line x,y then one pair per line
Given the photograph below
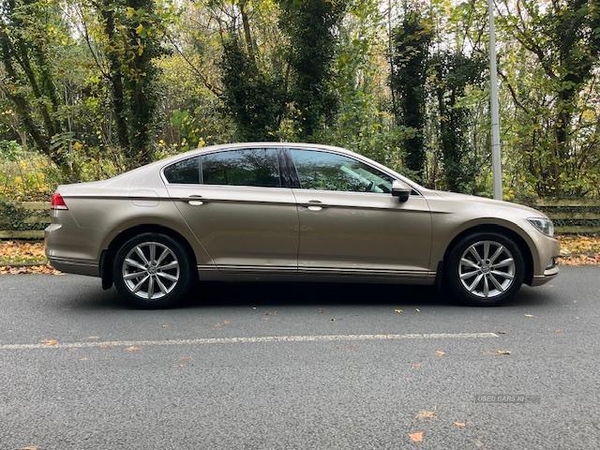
x,y
460,425
184,361
398,311
30,447
417,436
50,342
85,358
425,415
440,353
23,270
415,365
133,348
503,352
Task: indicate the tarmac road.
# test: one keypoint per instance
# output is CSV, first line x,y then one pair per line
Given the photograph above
x,y
289,366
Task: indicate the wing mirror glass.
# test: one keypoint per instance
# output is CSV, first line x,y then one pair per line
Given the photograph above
x,y
401,190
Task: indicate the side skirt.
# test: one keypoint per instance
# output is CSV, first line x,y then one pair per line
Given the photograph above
x,y
273,273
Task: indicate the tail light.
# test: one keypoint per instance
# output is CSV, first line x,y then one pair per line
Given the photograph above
x,y
58,202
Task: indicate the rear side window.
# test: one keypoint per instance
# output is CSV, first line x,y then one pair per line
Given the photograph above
x,y
246,167
184,172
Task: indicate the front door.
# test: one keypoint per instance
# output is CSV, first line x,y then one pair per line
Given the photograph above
x,y
350,223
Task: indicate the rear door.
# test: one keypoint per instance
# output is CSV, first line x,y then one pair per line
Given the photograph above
x,y
238,205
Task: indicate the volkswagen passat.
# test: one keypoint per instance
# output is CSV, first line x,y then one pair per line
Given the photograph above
x,y
277,211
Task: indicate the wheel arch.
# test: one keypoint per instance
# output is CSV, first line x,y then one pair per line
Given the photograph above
x,y
491,228
108,255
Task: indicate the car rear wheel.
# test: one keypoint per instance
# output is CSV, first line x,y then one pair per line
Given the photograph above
x,y
152,270
485,269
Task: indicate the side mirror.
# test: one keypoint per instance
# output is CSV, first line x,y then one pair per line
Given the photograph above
x,y
401,190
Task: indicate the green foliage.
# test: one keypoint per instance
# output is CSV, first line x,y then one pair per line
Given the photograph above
x,y
133,30
555,133
255,98
310,27
31,35
410,41
453,73
363,122
190,114
9,150
25,175
15,217
88,89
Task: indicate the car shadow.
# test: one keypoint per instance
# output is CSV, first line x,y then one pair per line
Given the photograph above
x,y
242,294
296,294
301,294
215,294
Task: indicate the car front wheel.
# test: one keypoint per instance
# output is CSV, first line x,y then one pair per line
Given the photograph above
x,y
485,269
152,270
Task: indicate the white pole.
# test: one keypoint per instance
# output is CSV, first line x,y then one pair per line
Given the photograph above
x,y
494,109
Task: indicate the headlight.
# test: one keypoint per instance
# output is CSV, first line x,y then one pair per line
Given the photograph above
x,y
543,224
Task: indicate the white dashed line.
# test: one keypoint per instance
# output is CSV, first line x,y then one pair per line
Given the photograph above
x,y
247,340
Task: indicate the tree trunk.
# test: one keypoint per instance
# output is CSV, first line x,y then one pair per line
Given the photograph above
x,y
115,77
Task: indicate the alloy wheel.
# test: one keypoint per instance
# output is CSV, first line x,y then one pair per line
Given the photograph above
x,y
487,269
150,270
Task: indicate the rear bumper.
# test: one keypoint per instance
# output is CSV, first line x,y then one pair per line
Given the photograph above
x,y
68,249
75,266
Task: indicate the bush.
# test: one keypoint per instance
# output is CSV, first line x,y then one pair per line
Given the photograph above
x,y
26,176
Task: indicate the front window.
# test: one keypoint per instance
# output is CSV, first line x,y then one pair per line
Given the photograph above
x,y
332,172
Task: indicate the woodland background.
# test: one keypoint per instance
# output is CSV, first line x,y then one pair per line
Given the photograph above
x,y
90,88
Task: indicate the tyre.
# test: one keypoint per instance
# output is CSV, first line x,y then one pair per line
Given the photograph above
x,y
484,268
153,270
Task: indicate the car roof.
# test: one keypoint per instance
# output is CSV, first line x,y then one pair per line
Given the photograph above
x,y
239,145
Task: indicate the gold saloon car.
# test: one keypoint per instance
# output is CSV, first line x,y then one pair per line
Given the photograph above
x,y
279,211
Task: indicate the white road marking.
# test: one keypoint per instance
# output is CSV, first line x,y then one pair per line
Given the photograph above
x,y
247,340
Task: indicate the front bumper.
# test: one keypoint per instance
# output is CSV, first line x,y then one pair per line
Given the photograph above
x,y
548,275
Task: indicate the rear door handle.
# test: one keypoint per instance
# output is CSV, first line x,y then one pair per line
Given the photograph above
x,y
195,200
315,205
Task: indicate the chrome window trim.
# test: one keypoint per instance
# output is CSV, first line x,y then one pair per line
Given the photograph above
x,y
288,146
